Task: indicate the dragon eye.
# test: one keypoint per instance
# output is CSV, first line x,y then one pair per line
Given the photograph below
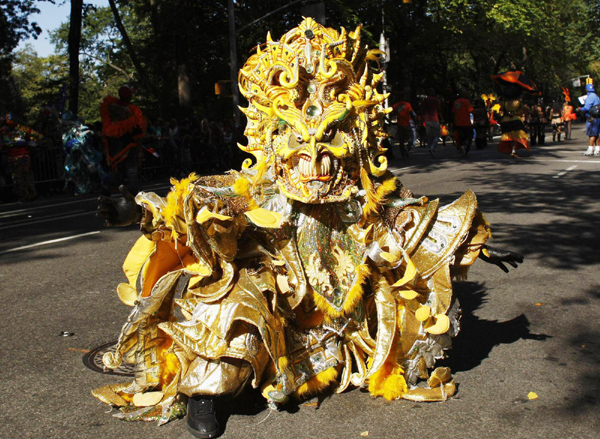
x,y
295,141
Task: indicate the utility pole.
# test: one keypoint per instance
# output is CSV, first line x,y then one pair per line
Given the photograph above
x,y
384,46
233,64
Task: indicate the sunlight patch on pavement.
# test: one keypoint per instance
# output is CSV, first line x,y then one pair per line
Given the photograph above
x,y
52,241
561,173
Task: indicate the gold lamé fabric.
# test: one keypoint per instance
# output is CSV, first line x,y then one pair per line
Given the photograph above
x,y
323,300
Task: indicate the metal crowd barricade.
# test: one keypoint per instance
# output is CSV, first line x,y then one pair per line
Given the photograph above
x,y
48,166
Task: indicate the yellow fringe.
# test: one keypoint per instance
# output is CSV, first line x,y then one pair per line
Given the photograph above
x,y
376,197
283,362
352,299
261,169
389,381
317,383
241,186
174,206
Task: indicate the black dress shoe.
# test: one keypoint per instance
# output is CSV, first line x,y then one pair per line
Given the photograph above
x,y
201,417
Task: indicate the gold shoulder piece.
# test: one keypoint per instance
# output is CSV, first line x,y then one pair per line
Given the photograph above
x,y
445,233
423,215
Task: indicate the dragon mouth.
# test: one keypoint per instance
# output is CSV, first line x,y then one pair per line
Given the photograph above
x,y
309,181
317,170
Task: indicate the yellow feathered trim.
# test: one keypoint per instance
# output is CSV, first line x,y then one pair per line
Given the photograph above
x,y
376,197
389,380
261,169
352,298
283,362
171,366
317,383
241,186
173,210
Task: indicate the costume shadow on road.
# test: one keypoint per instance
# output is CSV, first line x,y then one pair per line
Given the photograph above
x,y
478,337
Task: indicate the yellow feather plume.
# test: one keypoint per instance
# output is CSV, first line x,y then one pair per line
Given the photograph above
x,y
354,295
389,381
317,383
174,207
376,197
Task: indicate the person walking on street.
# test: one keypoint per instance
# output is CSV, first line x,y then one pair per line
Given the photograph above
x,y
404,134
556,120
481,123
123,128
430,111
538,136
463,128
590,111
568,113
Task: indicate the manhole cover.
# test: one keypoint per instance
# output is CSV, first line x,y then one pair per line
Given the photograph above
x,y
93,360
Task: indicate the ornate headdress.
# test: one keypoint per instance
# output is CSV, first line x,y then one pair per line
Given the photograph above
x,y
314,115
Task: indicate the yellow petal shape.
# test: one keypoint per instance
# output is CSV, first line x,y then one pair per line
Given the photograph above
x,y
205,215
532,395
282,284
264,218
441,375
127,294
441,326
199,269
409,274
389,257
408,294
423,313
147,399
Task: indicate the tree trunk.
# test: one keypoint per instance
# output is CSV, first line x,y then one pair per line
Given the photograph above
x,y
184,88
129,46
74,41
159,34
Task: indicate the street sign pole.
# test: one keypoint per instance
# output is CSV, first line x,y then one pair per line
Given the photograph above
x,y
233,61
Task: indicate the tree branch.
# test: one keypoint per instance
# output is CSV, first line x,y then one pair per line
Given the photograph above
x,y
129,46
109,64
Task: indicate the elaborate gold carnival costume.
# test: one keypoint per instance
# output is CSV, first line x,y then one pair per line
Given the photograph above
x,y
311,268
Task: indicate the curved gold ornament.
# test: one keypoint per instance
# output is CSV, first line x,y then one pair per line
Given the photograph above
x,y
314,113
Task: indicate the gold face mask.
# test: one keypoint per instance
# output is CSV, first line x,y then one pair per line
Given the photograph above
x,y
314,114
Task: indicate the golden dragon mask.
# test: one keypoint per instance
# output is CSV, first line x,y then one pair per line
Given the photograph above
x,y
314,116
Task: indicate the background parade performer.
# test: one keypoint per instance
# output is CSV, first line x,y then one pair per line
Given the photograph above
x,y
592,119
568,113
123,128
16,140
513,84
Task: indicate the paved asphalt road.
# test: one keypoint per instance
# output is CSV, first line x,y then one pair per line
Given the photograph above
x,y
536,329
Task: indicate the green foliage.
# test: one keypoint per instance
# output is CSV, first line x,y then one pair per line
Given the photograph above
x,y
433,43
39,80
15,23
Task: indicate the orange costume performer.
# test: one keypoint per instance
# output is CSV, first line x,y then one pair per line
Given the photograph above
x,y
310,269
123,128
514,136
568,114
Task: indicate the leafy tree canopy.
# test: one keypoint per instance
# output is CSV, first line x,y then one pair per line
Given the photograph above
x,y
184,45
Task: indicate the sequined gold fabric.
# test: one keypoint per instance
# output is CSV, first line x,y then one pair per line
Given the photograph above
x,y
255,279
